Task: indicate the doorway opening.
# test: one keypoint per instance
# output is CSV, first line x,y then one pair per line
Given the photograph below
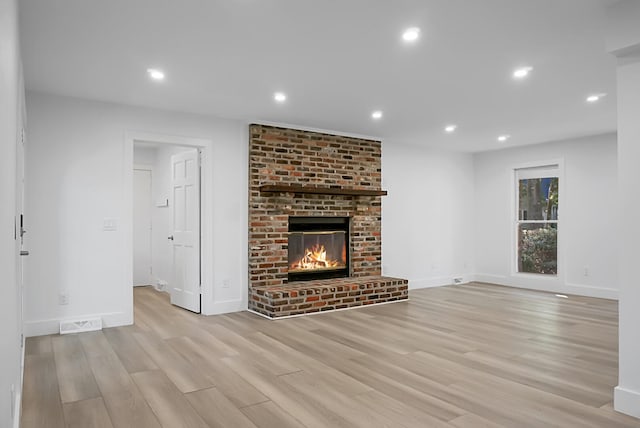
x,y
166,220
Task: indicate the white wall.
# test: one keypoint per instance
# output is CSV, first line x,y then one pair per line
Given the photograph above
x,y
627,395
144,155
586,234
623,40
11,91
427,235
76,158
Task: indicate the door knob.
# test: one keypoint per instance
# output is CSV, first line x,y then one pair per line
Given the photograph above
x,y
24,253
170,237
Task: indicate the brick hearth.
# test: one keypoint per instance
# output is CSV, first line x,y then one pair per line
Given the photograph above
x,y
281,157
297,298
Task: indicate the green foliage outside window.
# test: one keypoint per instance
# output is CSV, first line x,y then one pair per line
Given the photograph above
x,y
538,250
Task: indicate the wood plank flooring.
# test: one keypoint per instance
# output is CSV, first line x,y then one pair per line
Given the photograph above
x,y
475,355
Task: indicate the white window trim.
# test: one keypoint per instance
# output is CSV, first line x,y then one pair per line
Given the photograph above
x,y
547,168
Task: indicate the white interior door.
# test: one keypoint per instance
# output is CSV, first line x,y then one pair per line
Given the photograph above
x,y
141,227
185,239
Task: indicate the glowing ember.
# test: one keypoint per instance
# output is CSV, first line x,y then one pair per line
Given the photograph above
x,y
315,258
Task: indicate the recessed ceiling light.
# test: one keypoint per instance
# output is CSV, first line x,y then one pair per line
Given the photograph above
x,y
450,128
563,296
595,97
155,74
503,138
376,115
411,34
521,73
279,97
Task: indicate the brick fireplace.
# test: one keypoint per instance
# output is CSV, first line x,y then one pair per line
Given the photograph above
x,y
294,175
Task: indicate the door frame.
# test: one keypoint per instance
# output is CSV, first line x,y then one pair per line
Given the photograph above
x,y
206,210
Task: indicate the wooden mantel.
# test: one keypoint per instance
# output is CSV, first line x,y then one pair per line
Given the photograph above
x,y
297,188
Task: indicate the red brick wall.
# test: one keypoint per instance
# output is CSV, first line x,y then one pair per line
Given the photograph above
x,y
289,156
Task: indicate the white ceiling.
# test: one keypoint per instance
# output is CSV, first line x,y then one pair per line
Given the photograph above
x,y
338,60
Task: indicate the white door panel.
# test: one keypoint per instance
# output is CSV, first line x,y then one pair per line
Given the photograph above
x,y
185,287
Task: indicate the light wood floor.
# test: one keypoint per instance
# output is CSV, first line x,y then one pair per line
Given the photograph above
x,y
466,356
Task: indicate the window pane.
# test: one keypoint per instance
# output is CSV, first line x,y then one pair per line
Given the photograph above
x,y
538,199
538,248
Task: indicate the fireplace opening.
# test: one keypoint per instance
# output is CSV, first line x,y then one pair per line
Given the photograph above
x,y
318,248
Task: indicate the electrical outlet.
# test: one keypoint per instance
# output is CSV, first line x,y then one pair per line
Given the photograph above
x,y
225,283
586,271
63,298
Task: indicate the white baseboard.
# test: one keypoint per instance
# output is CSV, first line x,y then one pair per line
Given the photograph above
x,y
17,405
224,307
439,281
52,326
626,401
16,409
591,291
490,278
416,284
551,285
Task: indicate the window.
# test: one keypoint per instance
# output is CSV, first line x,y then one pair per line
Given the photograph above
x,y
537,220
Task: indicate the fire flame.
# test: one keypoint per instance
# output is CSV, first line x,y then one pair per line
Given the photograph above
x,y
315,258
